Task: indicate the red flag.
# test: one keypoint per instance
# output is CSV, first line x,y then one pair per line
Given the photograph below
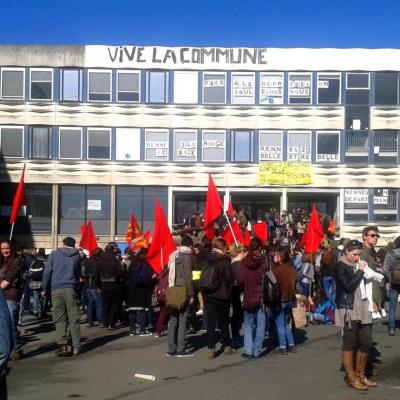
x,y
227,233
213,209
315,233
133,230
332,227
261,231
230,210
19,198
143,241
162,244
246,237
88,240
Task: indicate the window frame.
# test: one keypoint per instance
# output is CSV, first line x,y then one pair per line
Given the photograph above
x,y
156,130
70,128
250,147
109,130
124,129
23,83
266,131
282,75
358,73
80,80
173,145
30,82
397,89
243,73
296,132
310,74
202,144
186,72
99,70
126,72
356,153
327,132
340,87
21,127
225,74
148,86
49,143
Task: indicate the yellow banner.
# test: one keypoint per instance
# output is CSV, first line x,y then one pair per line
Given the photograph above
x,y
285,173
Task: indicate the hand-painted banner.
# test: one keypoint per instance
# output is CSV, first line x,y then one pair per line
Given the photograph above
x,y
285,173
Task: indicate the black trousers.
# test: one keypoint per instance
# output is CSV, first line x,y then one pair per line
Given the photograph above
x,y
359,337
217,311
237,312
110,297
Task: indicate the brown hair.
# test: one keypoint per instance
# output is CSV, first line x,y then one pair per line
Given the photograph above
x,y
219,243
306,258
12,257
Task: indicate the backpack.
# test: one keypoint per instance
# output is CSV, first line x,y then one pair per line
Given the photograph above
x,y
210,279
36,269
162,285
395,275
271,289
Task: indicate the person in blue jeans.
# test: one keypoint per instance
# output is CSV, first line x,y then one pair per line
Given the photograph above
x,y
252,270
285,274
328,262
6,343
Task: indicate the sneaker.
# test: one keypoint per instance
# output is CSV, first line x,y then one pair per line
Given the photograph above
x,y
211,353
132,333
228,351
184,353
292,349
171,353
16,354
376,315
383,313
391,332
246,356
282,352
76,352
142,334
199,312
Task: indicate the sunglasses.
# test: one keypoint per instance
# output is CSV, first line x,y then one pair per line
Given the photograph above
x,y
375,235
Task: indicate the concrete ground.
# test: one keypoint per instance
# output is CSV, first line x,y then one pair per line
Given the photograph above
x,y
105,370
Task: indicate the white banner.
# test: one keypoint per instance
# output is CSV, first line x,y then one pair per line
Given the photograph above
x,y
356,196
261,59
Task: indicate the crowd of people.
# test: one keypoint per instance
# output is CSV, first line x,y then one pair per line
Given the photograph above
x,y
264,290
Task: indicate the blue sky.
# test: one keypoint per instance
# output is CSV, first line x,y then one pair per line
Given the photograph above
x,y
233,23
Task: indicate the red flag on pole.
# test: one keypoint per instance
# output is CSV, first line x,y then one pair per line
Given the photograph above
x,y
88,240
162,244
133,230
261,231
246,237
213,209
227,233
143,241
230,210
315,233
19,198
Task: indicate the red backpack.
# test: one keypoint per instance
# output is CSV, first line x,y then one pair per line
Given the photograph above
x,y
162,286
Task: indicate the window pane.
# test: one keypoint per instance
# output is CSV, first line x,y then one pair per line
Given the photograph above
x,y
385,205
356,204
243,89
186,87
357,118
129,199
213,146
328,89
386,88
12,84
41,76
357,89
40,142
128,144
271,89
328,147
156,146
72,208
357,81
299,147
98,144
41,85
242,146
71,87
356,146
385,147
100,86
299,89
98,203
270,146
157,87
214,87
11,142
70,143
185,146
39,207
128,86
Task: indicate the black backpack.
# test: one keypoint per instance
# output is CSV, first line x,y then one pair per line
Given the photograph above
x,y
36,269
210,279
271,289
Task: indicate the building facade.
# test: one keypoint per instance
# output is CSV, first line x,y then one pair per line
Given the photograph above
x,y
105,129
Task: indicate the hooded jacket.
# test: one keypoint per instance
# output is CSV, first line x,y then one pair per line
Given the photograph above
x,y
62,270
183,270
226,278
251,275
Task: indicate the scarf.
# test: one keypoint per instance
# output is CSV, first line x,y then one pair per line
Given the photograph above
x,y
172,261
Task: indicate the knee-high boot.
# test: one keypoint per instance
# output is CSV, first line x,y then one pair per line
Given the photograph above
x,y
361,365
351,376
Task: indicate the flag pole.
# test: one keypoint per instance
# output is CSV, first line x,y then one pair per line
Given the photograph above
x,y
230,227
12,229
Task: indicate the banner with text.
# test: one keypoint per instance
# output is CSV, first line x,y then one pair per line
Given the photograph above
x,y
285,173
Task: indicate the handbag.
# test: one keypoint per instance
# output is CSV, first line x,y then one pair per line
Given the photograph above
x,y
176,297
299,316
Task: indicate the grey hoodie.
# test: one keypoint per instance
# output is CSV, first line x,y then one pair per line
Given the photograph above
x,y
62,270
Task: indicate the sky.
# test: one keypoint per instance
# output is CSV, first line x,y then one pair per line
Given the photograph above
x,y
233,23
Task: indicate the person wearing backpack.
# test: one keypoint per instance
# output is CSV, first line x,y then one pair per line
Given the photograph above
x,y
35,274
391,268
216,281
180,275
285,274
251,275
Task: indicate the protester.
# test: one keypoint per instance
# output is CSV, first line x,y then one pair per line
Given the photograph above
x,y
354,302
61,278
6,343
35,274
328,263
306,274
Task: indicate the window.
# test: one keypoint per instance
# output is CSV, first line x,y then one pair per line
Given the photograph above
x,y
186,87
357,88
128,86
385,147
328,147
270,146
70,143
356,146
40,142
243,88
12,141
157,87
214,143
328,88
214,88
356,117
99,144
128,144
299,146
99,85
12,83
385,205
242,146
71,85
299,88
39,207
271,88
41,84
156,145
386,88
356,204
185,145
